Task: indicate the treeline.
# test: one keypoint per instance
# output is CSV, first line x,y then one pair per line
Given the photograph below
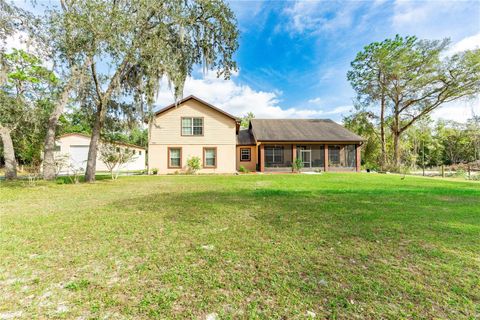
x,y
399,83
96,67
425,144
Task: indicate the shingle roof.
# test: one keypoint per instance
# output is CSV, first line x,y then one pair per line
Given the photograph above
x,y
301,130
245,138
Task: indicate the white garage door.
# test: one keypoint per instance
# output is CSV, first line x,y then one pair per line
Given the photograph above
x,y
78,157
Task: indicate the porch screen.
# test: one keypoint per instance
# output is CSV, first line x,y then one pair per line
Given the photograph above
x,y
273,155
350,155
334,155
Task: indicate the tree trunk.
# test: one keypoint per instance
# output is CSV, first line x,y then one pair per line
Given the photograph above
x,y
8,154
149,136
383,160
49,170
396,149
92,151
382,132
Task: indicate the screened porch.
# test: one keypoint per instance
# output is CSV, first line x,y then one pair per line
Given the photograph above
x,y
279,158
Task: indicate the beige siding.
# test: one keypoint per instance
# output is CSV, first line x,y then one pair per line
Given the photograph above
x,y
249,165
158,157
218,131
218,128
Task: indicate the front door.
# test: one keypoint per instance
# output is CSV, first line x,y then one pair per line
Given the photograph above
x,y
305,154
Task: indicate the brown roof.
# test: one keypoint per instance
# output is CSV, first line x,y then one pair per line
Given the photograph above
x,y
245,138
173,105
301,130
89,137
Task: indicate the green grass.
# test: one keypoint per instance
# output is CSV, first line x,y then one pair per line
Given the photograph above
x,y
255,246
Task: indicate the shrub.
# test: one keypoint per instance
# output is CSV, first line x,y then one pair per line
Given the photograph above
x,y
475,177
460,173
243,169
154,171
115,158
193,164
297,165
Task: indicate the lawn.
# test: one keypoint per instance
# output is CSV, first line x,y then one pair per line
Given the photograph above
x,y
256,246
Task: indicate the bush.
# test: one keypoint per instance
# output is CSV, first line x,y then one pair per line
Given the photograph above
x,y
154,171
475,177
193,165
297,165
460,173
243,169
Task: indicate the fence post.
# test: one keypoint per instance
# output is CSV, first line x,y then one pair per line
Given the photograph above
x,y
468,167
443,171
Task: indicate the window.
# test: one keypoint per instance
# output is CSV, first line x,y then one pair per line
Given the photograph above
x,y
273,154
139,152
210,157
174,157
57,148
192,126
134,152
334,155
245,154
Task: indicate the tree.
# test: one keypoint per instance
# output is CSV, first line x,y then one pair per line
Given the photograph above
x,y
456,142
362,123
185,34
115,157
68,50
368,78
148,39
21,91
415,79
473,129
245,121
9,22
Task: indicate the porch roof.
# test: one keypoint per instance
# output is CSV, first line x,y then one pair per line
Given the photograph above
x,y
308,130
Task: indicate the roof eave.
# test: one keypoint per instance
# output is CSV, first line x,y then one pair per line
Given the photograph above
x,y
170,106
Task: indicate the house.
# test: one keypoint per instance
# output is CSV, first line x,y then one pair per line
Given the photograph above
x,y
73,147
195,128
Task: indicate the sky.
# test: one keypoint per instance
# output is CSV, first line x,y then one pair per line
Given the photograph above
x,y
294,55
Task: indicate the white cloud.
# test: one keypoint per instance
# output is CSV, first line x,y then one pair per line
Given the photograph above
x,y
435,19
339,110
19,40
468,43
316,100
407,12
317,16
460,110
239,99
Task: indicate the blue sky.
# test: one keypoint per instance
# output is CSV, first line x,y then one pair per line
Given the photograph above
x,y
294,55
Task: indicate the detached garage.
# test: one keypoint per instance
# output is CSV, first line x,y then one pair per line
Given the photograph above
x,y
74,148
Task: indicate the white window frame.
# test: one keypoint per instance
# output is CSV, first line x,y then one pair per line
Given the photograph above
x,y
192,126
249,151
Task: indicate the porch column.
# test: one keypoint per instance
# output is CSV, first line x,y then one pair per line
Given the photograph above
x,y
262,158
357,157
325,161
294,153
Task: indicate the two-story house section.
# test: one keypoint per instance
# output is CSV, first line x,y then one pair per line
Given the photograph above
x,y
193,128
